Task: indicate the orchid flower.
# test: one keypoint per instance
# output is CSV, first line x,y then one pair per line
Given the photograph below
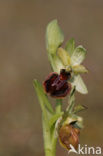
x,y
72,58
69,58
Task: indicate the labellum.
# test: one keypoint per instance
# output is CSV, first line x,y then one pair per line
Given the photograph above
x,y
56,84
69,135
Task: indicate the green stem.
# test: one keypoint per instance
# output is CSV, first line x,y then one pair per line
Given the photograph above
x,y
71,101
49,139
58,105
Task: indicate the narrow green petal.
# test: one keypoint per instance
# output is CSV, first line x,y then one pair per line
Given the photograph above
x,y
78,69
54,37
64,56
70,46
80,85
78,55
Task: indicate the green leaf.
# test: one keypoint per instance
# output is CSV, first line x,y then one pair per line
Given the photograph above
x,y
54,37
64,56
79,84
70,46
79,108
44,102
78,55
78,69
54,118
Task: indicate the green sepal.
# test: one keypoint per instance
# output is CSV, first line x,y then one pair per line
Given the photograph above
x,y
78,55
79,84
70,46
56,63
54,37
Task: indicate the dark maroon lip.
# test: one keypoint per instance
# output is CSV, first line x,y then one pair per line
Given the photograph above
x,y
56,85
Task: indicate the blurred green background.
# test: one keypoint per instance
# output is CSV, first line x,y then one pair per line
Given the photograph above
x,y
23,57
